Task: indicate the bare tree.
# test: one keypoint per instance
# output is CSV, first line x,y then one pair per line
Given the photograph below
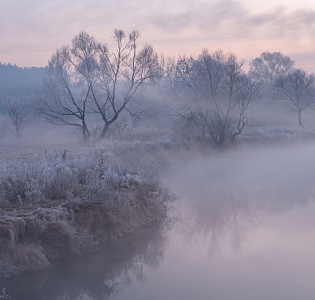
x,y
214,94
17,114
298,89
269,66
121,74
67,88
86,78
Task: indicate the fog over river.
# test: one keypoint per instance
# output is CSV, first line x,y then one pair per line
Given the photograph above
x,y
243,228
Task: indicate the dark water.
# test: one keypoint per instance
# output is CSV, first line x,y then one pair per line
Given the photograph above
x,y
244,228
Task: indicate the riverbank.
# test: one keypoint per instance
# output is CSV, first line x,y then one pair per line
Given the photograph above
x,y
57,206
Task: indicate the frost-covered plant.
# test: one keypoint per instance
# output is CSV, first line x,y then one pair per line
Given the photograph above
x,y
65,205
58,177
3,294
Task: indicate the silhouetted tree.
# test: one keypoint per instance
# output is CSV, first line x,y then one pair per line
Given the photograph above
x,y
269,66
66,89
87,77
121,74
298,89
17,114
214,94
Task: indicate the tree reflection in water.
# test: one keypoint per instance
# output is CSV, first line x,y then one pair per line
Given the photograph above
x,y
225,215
96,276
222,219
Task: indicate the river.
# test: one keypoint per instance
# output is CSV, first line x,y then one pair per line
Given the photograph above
x,y
243,228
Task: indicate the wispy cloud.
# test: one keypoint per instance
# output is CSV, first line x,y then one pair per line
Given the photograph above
x,y
34,28
231,18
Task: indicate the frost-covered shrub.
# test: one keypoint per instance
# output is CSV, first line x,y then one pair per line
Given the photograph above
x,y
58,177
3,294
67,205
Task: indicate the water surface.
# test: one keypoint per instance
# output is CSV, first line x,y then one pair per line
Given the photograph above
x,y
243,228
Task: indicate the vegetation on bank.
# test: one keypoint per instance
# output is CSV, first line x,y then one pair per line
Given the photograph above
x,y
98,90
56,206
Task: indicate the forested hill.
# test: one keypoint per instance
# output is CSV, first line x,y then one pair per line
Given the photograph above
x,y
22,82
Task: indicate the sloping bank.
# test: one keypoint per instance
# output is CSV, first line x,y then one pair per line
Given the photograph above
x,y
54,206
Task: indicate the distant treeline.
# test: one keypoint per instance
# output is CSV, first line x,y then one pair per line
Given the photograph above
x,y
16,81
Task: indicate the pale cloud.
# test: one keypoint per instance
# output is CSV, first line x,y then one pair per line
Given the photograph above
x,y
231,18
32,29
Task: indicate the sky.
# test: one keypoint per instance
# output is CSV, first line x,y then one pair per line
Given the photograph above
x,y
31,30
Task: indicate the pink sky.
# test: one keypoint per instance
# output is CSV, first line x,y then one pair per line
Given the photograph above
x,y
31,30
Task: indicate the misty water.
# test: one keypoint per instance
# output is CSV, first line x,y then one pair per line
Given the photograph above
x,y
242,228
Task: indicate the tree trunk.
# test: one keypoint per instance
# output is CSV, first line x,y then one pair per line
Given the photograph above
x,y
103,133
86,134
219,141
107,124
86,138
300,118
